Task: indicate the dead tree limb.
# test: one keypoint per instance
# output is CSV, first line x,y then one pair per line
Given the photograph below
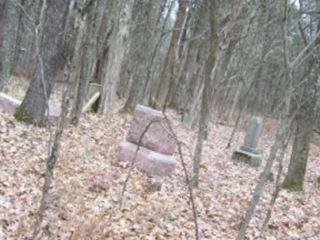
x,y
282,131
242,108
277,185
52,159
54,144
187,178
188,181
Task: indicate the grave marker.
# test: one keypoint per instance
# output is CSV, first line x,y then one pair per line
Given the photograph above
x,y
155,155
249,152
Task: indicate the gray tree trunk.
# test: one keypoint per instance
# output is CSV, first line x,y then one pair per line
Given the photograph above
x,y
306,121
25,39
210,63
50,48
89,57
194,59
112,67
141,46
10,31
169,75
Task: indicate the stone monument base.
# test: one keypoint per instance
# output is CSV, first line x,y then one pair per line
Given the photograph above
x,y
151,162
253,159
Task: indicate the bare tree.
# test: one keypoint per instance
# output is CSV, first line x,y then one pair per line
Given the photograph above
x,y
8,50
284,122
169,74
141,46
49,48
305,119
219,40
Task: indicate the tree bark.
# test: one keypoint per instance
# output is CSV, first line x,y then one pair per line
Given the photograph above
x,y
25,39
96,11
11,23
207,90
169,74
112,66
50,46
305,120
140,52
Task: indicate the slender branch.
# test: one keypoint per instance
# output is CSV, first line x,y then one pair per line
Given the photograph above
x,y
188,181
282,131
53,157
134,161
277,185
30,19
307,50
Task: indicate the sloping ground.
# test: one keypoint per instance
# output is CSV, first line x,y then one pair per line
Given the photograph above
x,y
18,87
88,180
316,138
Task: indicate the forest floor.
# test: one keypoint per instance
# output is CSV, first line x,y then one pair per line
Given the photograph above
x,y
88,179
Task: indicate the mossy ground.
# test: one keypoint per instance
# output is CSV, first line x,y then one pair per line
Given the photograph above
x,y
292,185
22,115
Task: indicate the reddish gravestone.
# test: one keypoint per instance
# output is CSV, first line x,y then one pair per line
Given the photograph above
x,y
157,138
155,155
153,163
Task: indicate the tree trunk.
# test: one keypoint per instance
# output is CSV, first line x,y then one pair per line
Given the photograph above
x,y
2,13
207,90
112,66
11,23
306,120
140,52
49,49
25,39
299,155
89,57
194,59
169,74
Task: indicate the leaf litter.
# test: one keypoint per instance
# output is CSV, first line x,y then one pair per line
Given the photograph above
x,y
85,195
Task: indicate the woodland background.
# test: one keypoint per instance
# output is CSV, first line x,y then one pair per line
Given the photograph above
x,y
210,64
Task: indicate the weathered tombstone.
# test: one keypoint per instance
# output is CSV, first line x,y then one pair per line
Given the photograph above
x,y
155,155
249,152
157,138
9,104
